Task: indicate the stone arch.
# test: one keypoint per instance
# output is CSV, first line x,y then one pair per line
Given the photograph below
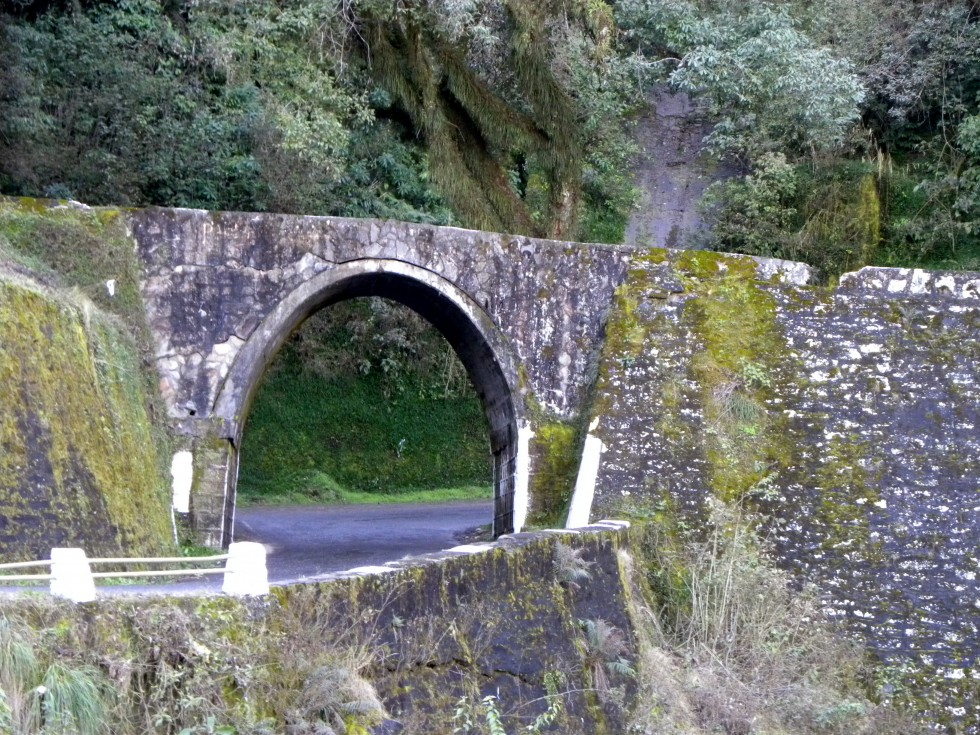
x,y
482,348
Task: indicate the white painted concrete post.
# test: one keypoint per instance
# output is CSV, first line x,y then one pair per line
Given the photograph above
x,y
71,575
588,471
245,570
182,471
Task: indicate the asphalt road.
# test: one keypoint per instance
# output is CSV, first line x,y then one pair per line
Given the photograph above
x,y
309,541
303,542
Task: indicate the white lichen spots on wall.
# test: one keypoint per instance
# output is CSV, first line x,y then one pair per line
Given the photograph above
x,y
920,279
896,286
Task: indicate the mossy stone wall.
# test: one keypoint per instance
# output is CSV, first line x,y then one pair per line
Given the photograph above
x,y
426,633
78,465
850,416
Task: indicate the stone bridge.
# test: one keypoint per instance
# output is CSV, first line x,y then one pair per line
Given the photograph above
x,y
224,291
855,410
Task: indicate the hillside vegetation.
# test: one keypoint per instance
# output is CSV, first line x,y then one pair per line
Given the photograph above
x,y
855,124
365,403
852,125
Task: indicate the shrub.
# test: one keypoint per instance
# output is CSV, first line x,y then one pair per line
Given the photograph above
x,y
48,697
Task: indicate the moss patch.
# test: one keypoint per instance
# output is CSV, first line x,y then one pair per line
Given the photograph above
x,y
79,463
78,249
555,455
734,318
83,462
847,493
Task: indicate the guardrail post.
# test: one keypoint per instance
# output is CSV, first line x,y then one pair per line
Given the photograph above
x,y
71,575
245,570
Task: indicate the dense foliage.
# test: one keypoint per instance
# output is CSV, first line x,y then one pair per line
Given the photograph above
x,y
855,123
494,115
769,85
509,114
366,398
208,105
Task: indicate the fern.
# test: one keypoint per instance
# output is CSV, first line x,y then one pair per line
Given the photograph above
x,y
622,667
570,567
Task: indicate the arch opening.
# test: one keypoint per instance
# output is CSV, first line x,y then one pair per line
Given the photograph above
x,y
482,349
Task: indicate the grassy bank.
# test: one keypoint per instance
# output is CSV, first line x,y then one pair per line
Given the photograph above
x,y
315,494
321,431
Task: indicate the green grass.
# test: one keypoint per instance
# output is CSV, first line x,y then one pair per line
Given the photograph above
x,y
353,497
352,439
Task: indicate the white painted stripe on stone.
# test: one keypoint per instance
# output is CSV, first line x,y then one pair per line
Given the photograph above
x,y
522,476
588,471
612,523
246,572
182,471
471,548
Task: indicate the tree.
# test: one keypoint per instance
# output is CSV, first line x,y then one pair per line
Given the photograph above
x,y
769,85
358,107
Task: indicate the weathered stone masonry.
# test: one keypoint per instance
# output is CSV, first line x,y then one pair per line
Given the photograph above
x,y
223,291
867,460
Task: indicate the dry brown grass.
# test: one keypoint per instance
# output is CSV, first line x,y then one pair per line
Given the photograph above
x,y
728,646
183,668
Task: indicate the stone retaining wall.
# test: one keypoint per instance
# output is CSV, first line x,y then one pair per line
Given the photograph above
x,y
849,416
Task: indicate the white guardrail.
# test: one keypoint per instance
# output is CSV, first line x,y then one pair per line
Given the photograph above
x,y
72,578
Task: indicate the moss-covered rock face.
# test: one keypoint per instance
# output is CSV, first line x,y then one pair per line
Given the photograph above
x,y
80,459
79,464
